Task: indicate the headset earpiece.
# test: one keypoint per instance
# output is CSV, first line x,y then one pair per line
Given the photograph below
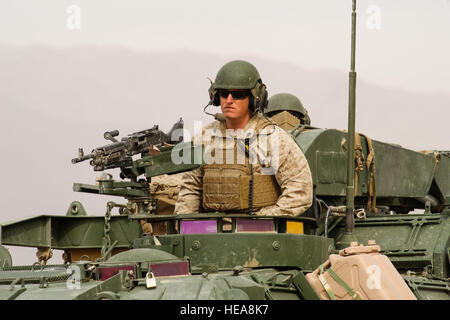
x,y
213,96
260,95
264,100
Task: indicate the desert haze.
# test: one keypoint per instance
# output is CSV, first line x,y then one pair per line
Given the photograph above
x,y
56,100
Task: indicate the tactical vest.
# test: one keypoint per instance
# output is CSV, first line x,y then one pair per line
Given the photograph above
x,y
226,186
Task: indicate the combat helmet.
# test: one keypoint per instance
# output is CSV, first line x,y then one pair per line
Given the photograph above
x,y
287,102
239,74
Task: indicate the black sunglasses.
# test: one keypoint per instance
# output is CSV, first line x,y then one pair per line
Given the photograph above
x,y
238,95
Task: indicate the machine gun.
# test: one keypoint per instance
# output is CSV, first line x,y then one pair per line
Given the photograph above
x,y
155,149
119,154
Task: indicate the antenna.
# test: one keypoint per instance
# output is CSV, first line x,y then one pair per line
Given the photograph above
x,y
350,190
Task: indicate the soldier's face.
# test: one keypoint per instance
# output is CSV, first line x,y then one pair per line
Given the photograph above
x,y
235,109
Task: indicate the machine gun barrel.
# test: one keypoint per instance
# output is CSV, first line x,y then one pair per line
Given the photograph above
x,y
81,156
119,153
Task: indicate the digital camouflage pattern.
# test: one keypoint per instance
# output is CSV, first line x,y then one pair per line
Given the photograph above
x,y
165,189
285,160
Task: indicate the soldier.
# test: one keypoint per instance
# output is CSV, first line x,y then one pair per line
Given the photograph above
x,y
287,111
271,179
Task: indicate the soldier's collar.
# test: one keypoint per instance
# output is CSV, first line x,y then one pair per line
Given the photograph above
x,y
257,124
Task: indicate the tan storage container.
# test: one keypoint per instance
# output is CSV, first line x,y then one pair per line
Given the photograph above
x,y
368,274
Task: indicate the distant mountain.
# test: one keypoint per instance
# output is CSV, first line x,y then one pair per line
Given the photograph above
x,y
53,101
133,90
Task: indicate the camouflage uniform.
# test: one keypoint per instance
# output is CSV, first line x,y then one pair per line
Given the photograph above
x,y
293,176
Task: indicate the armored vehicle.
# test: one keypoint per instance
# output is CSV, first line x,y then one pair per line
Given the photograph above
x,y
361,238
239,256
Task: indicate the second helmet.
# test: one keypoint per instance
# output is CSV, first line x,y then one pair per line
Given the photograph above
x,y
287,102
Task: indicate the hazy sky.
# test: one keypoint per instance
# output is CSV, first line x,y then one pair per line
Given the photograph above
x,y
402,43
